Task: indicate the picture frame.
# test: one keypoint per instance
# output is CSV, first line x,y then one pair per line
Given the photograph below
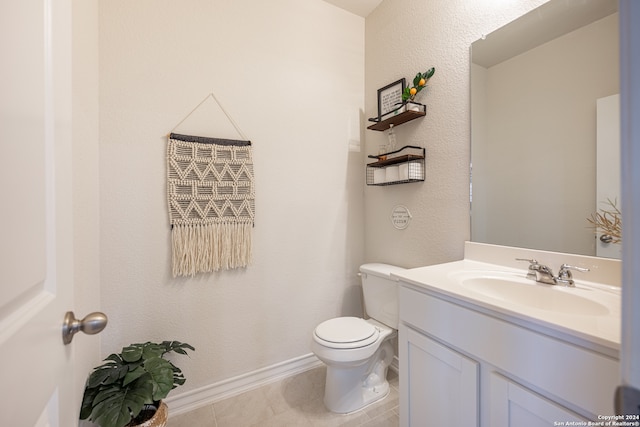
x,y
389,96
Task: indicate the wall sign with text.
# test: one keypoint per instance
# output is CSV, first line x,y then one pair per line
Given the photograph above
x,y
400,217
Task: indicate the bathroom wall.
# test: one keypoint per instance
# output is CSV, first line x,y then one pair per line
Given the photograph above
x,y
291,74
404,37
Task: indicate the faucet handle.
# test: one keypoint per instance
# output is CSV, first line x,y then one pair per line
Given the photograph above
x,y
530,261
565,276
533,266
566,269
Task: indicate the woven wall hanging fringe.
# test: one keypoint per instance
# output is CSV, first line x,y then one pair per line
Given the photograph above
x,y
211,198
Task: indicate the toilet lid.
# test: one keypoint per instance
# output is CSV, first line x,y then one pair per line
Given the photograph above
x,y
347,331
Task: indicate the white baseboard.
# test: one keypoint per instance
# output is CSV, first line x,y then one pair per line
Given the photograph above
x,y
209,394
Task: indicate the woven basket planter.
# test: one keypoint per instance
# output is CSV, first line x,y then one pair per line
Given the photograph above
x,y
159,419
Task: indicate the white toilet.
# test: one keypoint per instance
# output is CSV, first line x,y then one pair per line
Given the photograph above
x,y
358,352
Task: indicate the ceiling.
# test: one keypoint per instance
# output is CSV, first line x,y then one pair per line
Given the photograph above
x,y
551,20
359,7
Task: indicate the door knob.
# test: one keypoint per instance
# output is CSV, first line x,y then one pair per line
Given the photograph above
x,y
92,323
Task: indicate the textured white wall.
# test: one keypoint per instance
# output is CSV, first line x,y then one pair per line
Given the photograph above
x,y
402,38
291,75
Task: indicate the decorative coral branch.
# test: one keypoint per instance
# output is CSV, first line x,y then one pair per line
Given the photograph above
x,y
609,221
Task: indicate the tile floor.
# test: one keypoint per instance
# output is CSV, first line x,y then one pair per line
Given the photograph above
x,y
292,402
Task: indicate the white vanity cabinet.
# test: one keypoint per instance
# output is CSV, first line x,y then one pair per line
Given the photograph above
x,y
462,365
513,405
441,385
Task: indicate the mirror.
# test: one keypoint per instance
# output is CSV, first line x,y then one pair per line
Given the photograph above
x,y
535,84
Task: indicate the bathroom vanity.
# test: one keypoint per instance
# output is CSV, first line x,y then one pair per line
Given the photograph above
x,y
482,345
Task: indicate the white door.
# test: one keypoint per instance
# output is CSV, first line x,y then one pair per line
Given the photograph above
x,y
608,167
36,253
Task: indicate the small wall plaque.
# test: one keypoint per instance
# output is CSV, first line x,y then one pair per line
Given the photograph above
x,y
400,217
389,96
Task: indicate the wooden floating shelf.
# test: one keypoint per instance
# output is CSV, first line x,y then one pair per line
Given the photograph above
x,y
405,116
395,160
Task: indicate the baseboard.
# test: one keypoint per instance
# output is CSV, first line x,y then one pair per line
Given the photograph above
x,y
203,396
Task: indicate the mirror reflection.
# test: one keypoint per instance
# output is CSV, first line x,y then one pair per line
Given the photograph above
x,y
536,86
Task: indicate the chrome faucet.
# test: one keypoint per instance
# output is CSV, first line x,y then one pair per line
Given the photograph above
x,y
565,277
543,274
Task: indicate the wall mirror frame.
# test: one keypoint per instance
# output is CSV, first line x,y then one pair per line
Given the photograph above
x,y
535,86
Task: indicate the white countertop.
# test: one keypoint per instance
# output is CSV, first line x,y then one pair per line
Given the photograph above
x,y
597,329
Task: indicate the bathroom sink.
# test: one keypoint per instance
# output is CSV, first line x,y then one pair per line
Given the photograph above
x,y
525,292
588,314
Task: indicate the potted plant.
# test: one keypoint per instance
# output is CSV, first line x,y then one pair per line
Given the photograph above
x,y
128,389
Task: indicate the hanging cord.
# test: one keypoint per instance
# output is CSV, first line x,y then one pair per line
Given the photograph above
x,y
235,125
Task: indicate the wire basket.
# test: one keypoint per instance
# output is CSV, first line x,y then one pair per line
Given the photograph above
x,y
398,167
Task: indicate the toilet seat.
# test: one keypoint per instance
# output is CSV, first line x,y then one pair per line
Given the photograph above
x,y
346,332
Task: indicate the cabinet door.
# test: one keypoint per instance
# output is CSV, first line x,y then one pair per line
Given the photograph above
x,y
439,387
515,406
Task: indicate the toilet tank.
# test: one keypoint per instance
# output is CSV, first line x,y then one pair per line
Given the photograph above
x,y
380,292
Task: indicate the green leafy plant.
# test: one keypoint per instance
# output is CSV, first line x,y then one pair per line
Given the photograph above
x,y
419,83
139,377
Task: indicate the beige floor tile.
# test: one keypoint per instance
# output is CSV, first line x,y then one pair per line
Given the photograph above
x,y
296,402
387,419
290,418
295,391
244,410
201,417
394,380
321,417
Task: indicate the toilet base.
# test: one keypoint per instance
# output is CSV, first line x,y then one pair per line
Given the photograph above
x,y
350,389
369,398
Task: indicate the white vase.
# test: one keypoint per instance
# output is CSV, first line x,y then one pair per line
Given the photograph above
x,y
414,106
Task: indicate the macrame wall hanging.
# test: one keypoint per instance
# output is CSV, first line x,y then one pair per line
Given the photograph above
x,y
211,198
